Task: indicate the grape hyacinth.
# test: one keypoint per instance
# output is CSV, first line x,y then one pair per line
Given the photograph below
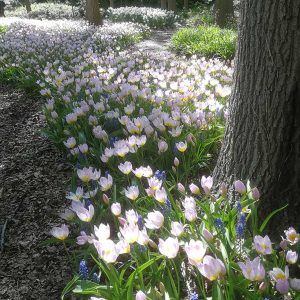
x,y
83,269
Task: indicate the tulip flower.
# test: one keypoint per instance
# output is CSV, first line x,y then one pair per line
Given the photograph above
x,y
281,279
177,229
105,183
292,236
262,245
195,251
169,247
60,233
88,174
212,268
132,192
253,270
181,146
125,168
102,232
206,183
154,220
83,214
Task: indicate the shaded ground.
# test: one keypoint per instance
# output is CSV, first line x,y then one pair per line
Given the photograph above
x,y
32,188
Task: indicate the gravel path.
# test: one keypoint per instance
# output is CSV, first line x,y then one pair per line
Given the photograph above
x,y
32,187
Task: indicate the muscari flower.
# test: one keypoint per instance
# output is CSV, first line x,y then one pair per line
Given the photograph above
x,y
83,270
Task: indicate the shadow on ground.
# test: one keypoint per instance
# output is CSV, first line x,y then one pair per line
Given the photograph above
x,y
32,187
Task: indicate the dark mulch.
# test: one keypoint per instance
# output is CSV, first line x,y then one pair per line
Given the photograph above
x,y
33,178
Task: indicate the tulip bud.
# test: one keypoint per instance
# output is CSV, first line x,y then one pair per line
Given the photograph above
x,y
295,284
239,187
223,189
174,169
176,162
140,296
152,244
207,235
284,244
116,209
105,199
180,188
291,257
122,221
162,146
255,193
194,189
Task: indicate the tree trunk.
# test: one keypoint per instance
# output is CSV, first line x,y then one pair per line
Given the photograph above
x,y
186,4
27,5
262,136
111,3
93,13
163,4
223,12
172,5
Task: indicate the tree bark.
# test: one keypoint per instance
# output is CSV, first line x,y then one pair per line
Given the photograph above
x,y
27,5
172,5
163,4
262,135
93,13
111,3
224,13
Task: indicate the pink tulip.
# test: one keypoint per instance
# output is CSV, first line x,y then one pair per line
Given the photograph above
x,y
207,183
212,268
239,187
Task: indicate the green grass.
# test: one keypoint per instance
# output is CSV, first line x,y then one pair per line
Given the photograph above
x,y
209,41
3,29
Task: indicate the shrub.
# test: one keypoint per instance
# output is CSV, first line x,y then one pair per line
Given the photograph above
x,y
152,17
206,40
48,11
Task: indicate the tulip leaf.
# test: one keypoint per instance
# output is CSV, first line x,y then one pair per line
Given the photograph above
x,y
268,218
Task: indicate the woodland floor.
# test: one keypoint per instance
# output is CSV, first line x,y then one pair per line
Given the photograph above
x,y
33,178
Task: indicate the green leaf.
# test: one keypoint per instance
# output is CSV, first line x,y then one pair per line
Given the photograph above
x,y
266,221
91,288
69,287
